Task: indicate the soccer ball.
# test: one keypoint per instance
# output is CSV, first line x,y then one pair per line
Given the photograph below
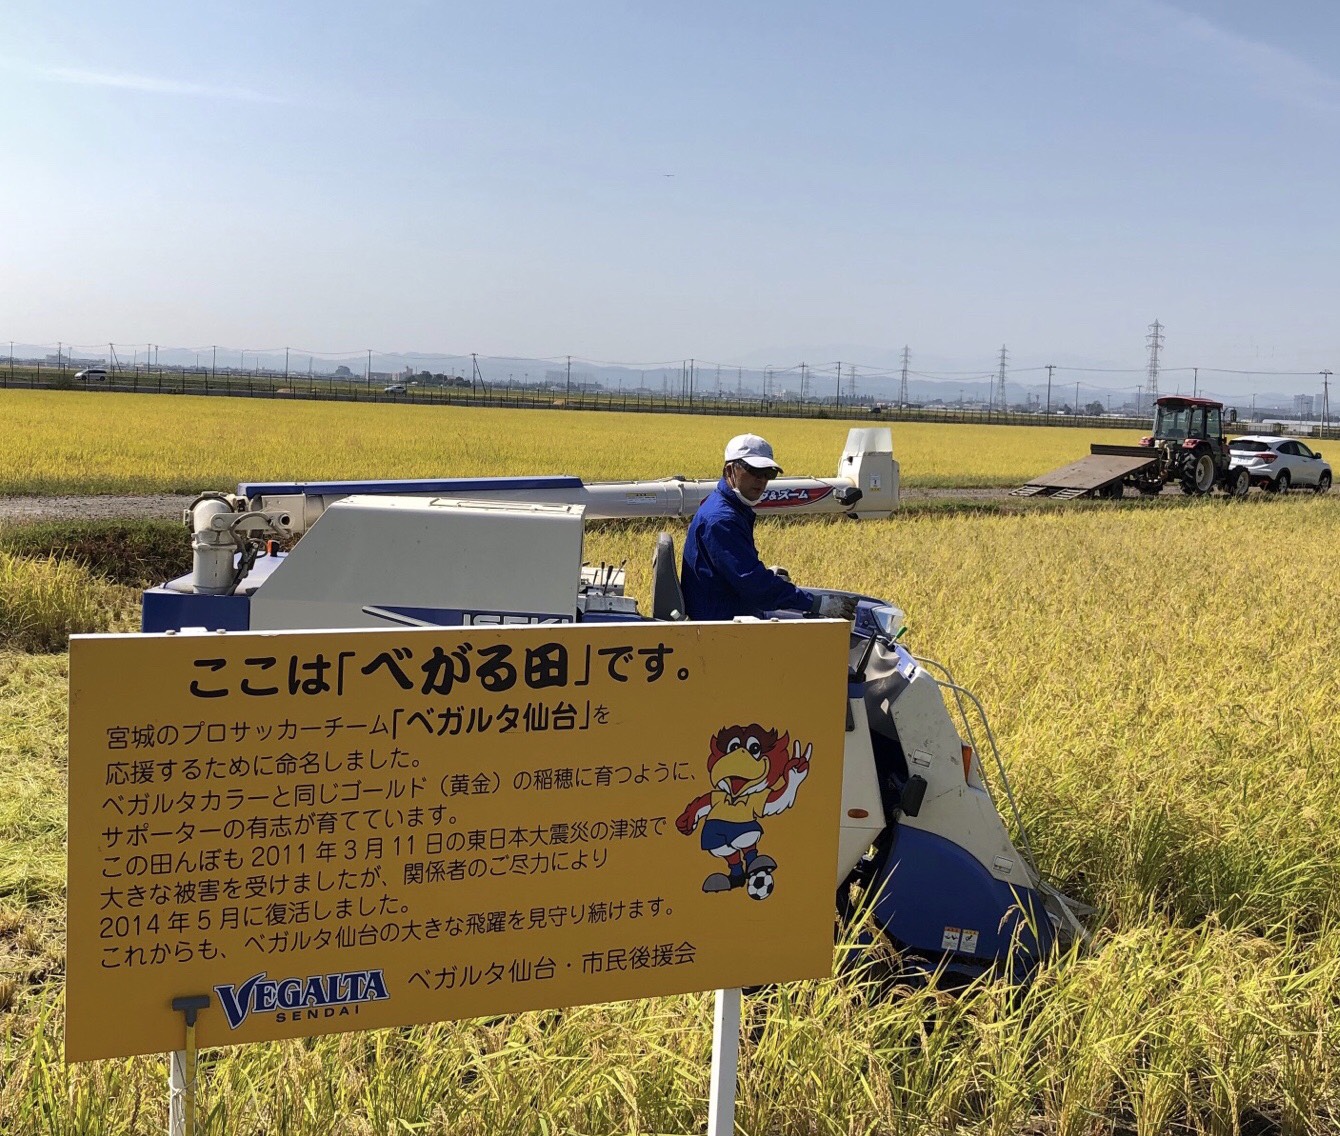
x,y
759,885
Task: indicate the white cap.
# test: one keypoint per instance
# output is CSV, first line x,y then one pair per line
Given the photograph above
x,y
752,450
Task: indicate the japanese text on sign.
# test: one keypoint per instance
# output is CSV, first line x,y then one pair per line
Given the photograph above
x,y
340,830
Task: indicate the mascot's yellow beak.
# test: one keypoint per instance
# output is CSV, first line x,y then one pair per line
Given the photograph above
x,y
738,771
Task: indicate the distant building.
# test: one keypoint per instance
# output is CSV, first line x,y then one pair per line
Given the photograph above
x,y
581,380
1302,406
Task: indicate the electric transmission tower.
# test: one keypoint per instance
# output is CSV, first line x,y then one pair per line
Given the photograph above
x,y
1000,380
852,397
1155,341
902,393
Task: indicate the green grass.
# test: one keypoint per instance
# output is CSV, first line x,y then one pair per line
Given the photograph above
x,y
135,553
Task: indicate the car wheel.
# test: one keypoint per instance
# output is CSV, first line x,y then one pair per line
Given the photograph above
x,y
1281,482
1239,481
1324,482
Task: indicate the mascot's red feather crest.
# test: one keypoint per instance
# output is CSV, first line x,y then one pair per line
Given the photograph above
x,y
775,749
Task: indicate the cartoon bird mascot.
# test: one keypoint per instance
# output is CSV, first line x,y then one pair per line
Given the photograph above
x,y
754,774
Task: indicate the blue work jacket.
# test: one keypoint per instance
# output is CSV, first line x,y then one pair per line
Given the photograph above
x,y
722,576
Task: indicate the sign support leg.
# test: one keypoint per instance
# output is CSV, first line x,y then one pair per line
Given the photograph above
x,y
177,1093
725,1063
182,1070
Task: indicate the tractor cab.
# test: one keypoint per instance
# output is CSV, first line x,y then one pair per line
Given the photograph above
x,y
1190,432
1178,419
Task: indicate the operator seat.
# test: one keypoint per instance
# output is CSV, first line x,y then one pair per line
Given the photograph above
x,y
667,601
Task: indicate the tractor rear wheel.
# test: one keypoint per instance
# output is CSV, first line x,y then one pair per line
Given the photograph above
x,y
1198,474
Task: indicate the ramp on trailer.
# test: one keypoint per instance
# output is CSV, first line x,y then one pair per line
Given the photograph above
x,y
1104,467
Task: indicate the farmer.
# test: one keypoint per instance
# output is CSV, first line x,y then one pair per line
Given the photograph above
x,y
722,575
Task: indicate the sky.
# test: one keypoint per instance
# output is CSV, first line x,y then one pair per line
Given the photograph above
x,y
744,182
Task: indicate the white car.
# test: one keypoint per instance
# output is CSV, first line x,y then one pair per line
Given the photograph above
x,y
92,375
1280,464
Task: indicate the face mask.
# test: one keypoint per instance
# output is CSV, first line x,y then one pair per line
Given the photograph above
x,y
752,504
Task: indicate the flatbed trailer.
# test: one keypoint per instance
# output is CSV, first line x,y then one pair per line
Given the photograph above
x,y
1102,474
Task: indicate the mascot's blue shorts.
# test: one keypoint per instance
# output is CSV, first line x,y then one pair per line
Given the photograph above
x,y
727,833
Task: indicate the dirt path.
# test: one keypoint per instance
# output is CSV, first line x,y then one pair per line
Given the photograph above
x,y
159,506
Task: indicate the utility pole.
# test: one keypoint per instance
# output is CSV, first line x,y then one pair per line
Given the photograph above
x,y
1325,399
369,370
569,388
213,361
693,366
1076,396
1050,368
1155,341
837,393
1000,381
286,366
1195,382
902,391
718,381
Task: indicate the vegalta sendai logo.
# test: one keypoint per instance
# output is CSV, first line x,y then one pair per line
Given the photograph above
x,y
294,999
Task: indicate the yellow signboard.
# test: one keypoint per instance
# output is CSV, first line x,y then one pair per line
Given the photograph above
x,y
329,831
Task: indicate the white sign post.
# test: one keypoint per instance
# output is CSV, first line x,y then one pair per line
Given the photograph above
x,y
725,1063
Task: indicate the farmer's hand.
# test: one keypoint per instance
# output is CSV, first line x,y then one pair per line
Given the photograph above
x,y
837,607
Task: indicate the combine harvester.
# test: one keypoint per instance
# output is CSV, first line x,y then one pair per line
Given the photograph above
x,y
1187,447
920,830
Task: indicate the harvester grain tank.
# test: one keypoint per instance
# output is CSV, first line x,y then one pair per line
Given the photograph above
x,y
1187,448
921,834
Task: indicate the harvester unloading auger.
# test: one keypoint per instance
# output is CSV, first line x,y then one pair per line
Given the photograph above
x,y
921,835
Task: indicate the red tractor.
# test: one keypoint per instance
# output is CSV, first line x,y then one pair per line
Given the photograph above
x,y
1187,447
1192,450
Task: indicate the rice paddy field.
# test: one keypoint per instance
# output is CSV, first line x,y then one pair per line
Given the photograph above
x,y
94,442
1160,675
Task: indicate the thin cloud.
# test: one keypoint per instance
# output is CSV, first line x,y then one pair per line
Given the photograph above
x,y
151,85
1271,71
